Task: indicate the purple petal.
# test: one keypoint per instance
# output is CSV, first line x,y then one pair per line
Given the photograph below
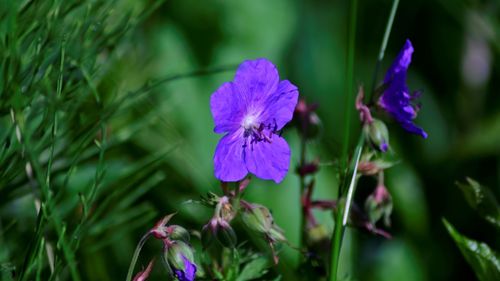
x,y
190,269
226,106
269,160
189,272
256,80
280,105
400,64
396,99
228,158
412,128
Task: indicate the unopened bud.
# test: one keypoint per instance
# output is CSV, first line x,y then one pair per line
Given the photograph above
x,y
276,234
226,235
220,230
306,120
208,233
257,218
177,232
378,205
377,133
179,256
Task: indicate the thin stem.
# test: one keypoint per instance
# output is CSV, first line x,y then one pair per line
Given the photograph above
x,y
302,189
383,45
342,213
349,104
136,255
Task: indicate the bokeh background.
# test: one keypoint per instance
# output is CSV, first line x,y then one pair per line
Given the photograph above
x,y
455,64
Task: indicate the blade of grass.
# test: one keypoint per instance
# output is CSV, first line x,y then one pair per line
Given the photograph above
x,y
349,104
383,45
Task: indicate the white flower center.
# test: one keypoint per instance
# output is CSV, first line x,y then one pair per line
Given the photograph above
x,y
249,122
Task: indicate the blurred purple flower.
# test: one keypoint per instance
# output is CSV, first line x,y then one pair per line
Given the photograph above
x,y
251,110
397,99
189,272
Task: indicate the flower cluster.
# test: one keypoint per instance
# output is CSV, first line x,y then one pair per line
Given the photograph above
x,y
251,111
397,101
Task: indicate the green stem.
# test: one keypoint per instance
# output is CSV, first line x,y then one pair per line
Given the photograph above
x,y
383,45
343,213
136,255
349,104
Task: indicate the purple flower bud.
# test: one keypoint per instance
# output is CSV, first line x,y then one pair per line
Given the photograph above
x,y
180,259
189,272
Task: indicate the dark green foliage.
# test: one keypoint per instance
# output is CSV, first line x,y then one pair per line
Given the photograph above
x,y
484,261
57,192
482,200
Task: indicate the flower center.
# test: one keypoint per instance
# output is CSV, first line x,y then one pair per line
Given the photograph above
x,y
255,132
249,122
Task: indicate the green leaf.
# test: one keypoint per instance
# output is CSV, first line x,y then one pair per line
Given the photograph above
x,y
482,200
483,260
254,269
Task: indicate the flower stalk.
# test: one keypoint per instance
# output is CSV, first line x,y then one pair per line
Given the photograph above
x,y
339,227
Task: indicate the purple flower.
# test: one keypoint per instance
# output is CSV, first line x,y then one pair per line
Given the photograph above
x,y
251,110
189,272
397,99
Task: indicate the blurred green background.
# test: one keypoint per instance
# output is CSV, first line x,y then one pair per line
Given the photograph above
x,y
455,64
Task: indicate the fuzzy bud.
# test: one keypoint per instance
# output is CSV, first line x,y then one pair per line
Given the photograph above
x,y
377,133
257,218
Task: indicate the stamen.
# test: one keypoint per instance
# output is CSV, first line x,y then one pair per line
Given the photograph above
x,y
258,133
